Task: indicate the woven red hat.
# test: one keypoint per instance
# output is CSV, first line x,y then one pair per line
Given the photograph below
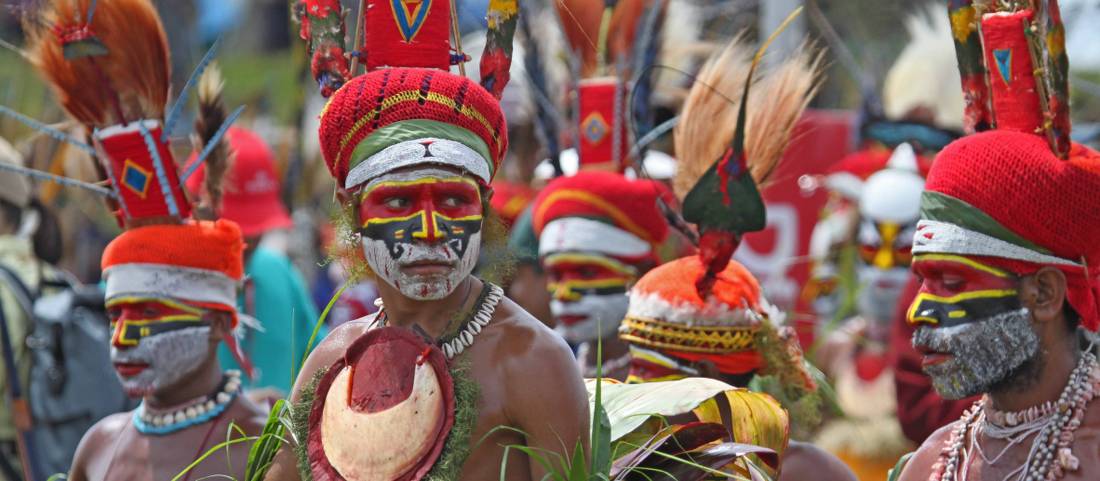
x,y
668,315
198,262
388,107
251,188
603,198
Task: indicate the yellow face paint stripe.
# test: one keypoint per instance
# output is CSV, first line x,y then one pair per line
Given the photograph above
x,y
425,180
884,258
168,302
389,220
555,259
963,260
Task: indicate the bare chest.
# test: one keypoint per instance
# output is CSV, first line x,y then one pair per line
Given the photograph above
x,y
493,431
135,456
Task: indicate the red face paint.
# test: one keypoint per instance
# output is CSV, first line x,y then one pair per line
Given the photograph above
x,y
454,198
572,276
135,318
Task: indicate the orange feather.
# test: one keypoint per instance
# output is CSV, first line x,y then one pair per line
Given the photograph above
x,y
135,70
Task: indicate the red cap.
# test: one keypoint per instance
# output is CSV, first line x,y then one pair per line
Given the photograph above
x,y
251,197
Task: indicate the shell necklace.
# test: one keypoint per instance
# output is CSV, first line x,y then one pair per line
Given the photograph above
x,y
196,411
455,344
1050,456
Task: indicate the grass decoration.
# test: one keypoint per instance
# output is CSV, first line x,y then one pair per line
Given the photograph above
x,y
299,423
457,446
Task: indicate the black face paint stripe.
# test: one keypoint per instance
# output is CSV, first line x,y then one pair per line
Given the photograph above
x,y
929,310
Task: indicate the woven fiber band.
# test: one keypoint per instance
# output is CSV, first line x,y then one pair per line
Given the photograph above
x,y
701,339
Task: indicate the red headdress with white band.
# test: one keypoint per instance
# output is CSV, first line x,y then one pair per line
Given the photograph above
x,y
1014,74
380,121
601,212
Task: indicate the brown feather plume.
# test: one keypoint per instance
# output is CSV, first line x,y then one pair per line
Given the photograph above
x,y
580,21
709,116
135,71
210,118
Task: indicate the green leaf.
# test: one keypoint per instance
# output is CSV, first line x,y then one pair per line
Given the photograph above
x,y
628,406
577,466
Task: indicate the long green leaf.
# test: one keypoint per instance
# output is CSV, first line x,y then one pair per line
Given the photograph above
x,y
321,322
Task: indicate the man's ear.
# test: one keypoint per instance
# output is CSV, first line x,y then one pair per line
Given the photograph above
x,y
344,196
1044,294
221,324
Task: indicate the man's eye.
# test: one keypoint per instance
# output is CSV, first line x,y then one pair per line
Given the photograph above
x,y
397,202
954,283
454,201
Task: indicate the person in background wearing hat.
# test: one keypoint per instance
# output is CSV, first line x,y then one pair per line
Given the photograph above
x,y
274,292
17,256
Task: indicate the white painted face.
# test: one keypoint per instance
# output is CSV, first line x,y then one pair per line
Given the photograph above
x,y
422,230
590,318
160,361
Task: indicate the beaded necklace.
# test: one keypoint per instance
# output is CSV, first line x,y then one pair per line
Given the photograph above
x,y
1052,424
197,411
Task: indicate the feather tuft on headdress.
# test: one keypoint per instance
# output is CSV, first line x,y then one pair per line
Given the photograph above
x,y
581,22
709,117
132,77
210,118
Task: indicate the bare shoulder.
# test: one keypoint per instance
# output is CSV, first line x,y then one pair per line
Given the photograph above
x,y
250,416
99,437
330,349
806,461
920,465
529,342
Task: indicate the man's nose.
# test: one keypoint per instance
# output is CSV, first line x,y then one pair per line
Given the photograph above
x,y
118,338
561,291
429,230
927,312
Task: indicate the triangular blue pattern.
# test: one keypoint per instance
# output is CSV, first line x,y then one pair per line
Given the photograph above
x,y
409,22
1004,64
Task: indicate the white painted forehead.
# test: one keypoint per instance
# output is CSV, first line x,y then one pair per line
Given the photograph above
x,y
418,174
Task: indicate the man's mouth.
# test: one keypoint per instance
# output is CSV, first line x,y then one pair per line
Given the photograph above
x,y
130,369
572,319
428,267
931,357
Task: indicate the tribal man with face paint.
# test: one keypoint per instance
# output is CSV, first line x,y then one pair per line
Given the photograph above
x,y
597,235
413,150
1008,255
171,297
